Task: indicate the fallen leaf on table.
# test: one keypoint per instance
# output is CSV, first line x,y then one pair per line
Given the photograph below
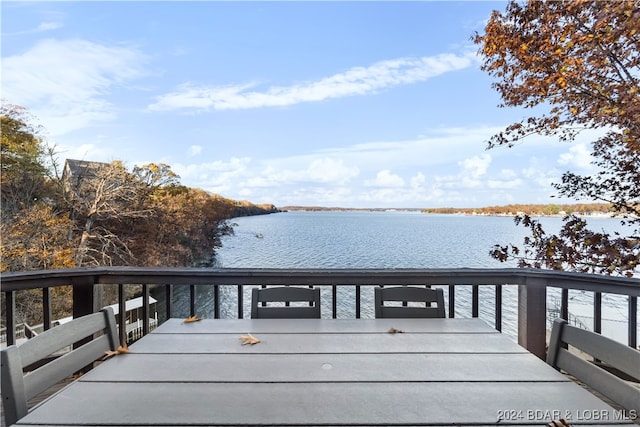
x,y
120,350
249,339
192,319
395,331
559,423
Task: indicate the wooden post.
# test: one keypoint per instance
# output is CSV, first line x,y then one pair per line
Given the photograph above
x,y
84,297
10,317
46,308
85,301
633,322
122,314
145,309
532,316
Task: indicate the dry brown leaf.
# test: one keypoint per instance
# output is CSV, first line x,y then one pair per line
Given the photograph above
x,y
249,339
559,423
192,319
120,350
395,331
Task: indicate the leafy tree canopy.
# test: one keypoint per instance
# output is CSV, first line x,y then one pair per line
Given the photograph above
x,y
22,153
21,144
579,61
97,214
103,214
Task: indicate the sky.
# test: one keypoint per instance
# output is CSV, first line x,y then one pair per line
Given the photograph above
x,y
330,103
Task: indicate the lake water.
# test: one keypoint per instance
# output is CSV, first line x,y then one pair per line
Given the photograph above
x,y
390,239
355,239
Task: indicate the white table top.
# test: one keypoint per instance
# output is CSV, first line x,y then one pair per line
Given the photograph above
x,y
324,372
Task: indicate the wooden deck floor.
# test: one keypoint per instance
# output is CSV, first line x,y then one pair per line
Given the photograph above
x,y
39,398
299,337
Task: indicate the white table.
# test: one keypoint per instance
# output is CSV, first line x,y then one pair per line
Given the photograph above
x,y
324,372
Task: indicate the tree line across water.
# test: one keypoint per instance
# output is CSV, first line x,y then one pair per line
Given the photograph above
x,y
530,209
504,210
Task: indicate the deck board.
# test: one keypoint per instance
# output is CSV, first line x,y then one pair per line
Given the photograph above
x,y
320,403
325,368
327,343
338,326
447,372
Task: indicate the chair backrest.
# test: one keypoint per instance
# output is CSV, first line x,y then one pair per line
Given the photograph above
x,y
44,368
285,294
433,300
612,354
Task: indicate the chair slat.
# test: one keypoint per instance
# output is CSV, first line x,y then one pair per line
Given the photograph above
x,y
599,379
46,344
603,348
410,312
64,366
409,294
285,294
615,354
286,313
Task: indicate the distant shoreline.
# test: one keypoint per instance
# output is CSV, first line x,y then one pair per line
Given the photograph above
x,y
340,209
553,210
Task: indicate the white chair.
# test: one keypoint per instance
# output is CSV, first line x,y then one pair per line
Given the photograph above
x,y
433,300
612,354
287,295
44,370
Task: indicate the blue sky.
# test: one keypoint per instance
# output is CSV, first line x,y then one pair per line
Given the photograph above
x,y
353,104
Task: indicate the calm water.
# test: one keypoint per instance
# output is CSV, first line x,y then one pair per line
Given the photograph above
x,y
366,240
384,240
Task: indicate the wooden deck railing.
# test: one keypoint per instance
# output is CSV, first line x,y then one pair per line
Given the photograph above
x,y
531,284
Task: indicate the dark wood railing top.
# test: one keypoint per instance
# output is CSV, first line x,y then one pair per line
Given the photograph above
x,y
260,276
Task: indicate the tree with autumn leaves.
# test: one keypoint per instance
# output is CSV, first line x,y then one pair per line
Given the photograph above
x,y
107,215
33,229
110,216
578,64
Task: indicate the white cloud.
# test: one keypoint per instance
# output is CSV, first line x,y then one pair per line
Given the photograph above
x,y
322,170
47,26
355,81
218,176
327,196
508,174
66,82
412,196
418,181
386,179
330,170
235,175
540,174
506,179
470,176
431,149
42,27
447,167
194,150
504,184
476,166
579,156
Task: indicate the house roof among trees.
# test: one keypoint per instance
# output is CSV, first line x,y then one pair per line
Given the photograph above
x,y
78,168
